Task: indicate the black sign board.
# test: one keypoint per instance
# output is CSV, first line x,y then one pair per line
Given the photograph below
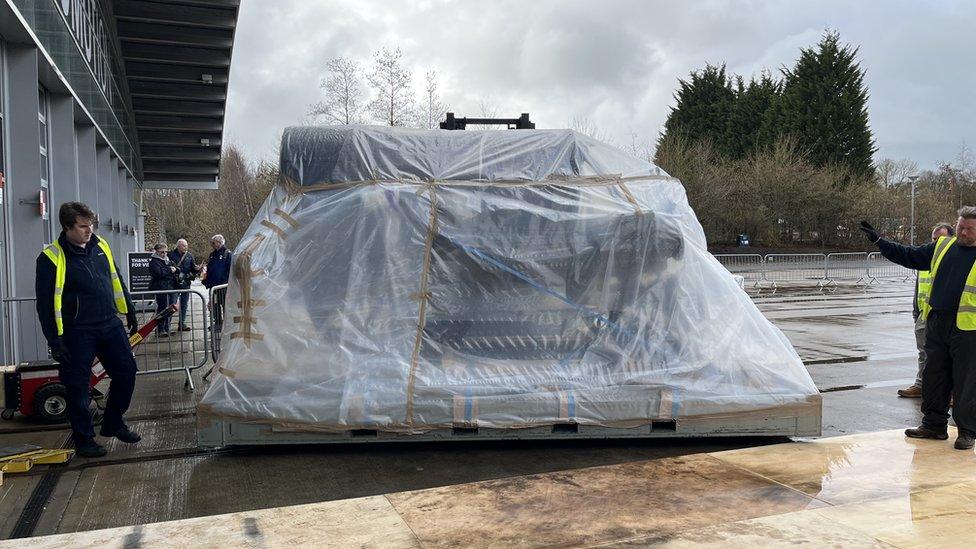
x,y
139,276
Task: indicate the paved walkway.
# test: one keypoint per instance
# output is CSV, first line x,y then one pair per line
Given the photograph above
x,y
868,490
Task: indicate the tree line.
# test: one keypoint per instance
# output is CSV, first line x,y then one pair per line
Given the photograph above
x,y
197,215
788,159
384,95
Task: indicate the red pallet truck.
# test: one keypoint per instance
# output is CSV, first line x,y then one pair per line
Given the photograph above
x,y
35,390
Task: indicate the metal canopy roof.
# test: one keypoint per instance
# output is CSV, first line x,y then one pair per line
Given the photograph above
x,y
177,59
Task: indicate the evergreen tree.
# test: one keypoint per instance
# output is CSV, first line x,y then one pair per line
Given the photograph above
x,y
750,120
824,106
704,103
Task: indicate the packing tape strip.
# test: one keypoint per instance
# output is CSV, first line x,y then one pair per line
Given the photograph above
x,y
670,404
288,219
281,232
630,198
424,293
465,410
356,409
567,405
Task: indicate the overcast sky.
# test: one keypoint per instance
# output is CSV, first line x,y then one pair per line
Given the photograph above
x,y
614,62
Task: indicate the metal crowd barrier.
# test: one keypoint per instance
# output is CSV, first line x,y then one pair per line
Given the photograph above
x,y
796,268
23,337
879,268
847,266
748,266
820,270
177,351
174,347
215,308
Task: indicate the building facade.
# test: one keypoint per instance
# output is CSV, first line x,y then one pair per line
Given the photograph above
x,y
100,100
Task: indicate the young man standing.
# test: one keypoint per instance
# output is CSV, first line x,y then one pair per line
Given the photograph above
x,y
80,296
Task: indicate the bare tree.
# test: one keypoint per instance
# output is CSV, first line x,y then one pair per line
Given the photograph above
x,y
432,109
488,108
393,105
895,172
343,90
586,126
196,215
640,147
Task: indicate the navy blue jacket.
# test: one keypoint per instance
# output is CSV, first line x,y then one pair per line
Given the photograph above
x,y
187,267
88,298
162,277
949,280
218,267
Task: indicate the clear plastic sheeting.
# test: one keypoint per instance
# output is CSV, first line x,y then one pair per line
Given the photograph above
x,y
407,280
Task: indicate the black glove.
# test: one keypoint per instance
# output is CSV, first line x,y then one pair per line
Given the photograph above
x,y
132,323
59,352
869,232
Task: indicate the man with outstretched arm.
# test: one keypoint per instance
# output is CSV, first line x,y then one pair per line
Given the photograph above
x,y
923,287
950,327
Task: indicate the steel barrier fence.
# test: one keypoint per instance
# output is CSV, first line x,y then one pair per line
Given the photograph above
x,y
795,268
215,308
847,266
748,266
179,350
180,344
820,270
879,268
23,337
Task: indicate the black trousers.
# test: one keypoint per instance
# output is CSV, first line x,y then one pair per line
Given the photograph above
x,y
218,308
950,370
110,343
163,301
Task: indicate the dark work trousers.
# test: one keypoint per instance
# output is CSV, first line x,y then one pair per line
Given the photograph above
x,y
217,308
163,301
184,301
950,370
109,342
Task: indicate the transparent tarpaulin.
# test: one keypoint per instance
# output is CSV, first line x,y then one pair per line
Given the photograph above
x,y
405,280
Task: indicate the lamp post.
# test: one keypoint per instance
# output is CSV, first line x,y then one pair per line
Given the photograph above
x,y
912,178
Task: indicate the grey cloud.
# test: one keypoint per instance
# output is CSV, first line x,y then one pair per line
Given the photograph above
x,y
616,62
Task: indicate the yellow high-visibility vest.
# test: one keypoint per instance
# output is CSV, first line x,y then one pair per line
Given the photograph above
x,y
55,253
923,291
966,314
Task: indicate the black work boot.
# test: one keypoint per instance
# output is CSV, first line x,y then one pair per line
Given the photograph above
x,y
924,432
123,433
964,441
90,449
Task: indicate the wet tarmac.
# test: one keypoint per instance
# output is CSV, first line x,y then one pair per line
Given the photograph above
x,y
858,344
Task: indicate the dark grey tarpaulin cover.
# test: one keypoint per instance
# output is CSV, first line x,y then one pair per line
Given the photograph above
x,y
406,280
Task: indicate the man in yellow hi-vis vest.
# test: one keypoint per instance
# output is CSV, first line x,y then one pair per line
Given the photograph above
x,y
80,296
923,287
950,327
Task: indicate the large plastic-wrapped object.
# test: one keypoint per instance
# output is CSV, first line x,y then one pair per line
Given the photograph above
x,y
406,280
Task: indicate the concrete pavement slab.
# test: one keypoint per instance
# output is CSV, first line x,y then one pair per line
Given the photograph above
x,y
867,490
